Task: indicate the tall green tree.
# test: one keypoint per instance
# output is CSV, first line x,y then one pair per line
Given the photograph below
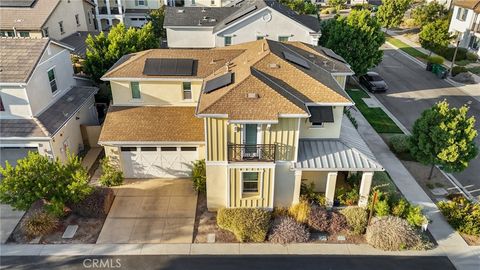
x,y
300,6
356,37
104,50
435,35
428,13
444,136
337,4
390,13
157,16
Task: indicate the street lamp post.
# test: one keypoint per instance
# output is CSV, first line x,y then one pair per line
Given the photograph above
x,y
454,54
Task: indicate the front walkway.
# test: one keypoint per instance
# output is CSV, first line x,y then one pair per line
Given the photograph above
x,y
457,250
9,219
151,211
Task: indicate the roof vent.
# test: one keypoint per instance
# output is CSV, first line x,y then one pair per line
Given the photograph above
x,y
311,56
212,20
252,95
70,98
204,10
180,11
325,62
205,18
273,65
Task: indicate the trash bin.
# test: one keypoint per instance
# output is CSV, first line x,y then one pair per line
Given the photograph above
x,y
442,73
429,66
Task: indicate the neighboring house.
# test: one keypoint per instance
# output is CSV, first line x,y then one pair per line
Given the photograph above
x,y
41,108
265,115
200,27
129,12
465,23
56,19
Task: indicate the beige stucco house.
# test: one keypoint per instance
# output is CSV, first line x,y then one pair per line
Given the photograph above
x,y
265,116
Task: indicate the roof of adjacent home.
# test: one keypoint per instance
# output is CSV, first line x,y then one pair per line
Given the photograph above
x,y
58,114
19,56
20,128
470,4
220,18
77,41
150,124
348,153
264,79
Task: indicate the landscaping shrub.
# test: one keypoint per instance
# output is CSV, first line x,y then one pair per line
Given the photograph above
x,y
400,143
415,216
247,224
39,223
95,205
286,230
348,196
472,56
307,192
448,53
300,211
393,233
458,69
199,176
434,59
338,223
111,174
357,219
463,215
400,209
382,208
319,219
327,11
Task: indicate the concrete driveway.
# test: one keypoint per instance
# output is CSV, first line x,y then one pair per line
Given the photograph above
x,y
9,219
151,211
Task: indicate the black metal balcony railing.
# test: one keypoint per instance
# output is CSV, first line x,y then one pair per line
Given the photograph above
x,y
113,10
251,152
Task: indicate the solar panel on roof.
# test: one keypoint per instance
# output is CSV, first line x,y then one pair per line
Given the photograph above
x,y
168,67
17,3
333,55
241,14
321,114
218,82
295,59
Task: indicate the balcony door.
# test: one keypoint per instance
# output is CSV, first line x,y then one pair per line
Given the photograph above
x,y
250,140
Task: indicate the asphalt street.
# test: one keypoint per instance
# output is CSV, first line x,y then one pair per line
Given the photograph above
x,y
227,262
412,89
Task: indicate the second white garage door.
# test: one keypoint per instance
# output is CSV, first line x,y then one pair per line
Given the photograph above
x,y
161,162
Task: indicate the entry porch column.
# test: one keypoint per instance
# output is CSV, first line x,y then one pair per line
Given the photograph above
x,y
365,186
296,188
330,188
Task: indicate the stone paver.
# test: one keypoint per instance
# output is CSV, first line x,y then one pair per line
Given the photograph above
x,y
9,219
151,211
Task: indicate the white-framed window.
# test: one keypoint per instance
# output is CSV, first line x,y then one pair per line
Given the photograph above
x,y
251,182
52,79
45,32
77,19
259,37
140,2
462,14
283,38
212,2
193,2
24,34
60,25
187,90
135,87
228,40
89,16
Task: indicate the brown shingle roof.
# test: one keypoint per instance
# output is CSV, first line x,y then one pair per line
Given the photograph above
x,y
470,4
27,18
150,124
18,58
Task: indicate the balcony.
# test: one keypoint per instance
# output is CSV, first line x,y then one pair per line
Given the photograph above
x,y
475,27
113,10
252,152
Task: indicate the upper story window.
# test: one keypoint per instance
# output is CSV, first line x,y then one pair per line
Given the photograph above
x,y
140,2
320,115
89,16
462,14
193,2
52,80
187,90
2,109
212,2
77,19
260,37
24,34
283,38
60,25
7,33
45,32
250,182
228,41
135,87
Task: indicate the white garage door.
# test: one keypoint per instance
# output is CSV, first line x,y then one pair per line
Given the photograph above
x,y
12,154
162,162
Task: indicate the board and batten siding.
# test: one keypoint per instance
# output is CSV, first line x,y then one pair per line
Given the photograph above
x,y
216,130
264,199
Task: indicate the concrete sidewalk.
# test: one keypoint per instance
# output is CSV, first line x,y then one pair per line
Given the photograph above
x,y
9,219
449,241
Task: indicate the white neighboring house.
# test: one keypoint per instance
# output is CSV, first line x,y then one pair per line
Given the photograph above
x,y
41,108
205,27
465,23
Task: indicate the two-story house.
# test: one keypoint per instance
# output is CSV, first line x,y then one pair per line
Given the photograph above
x,y
41,109
249,20
132,13
265,115
56,19
465,23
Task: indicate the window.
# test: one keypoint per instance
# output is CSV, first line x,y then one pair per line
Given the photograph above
x,y
45,32
148,149
188,149
193,2
52,80
212,2
250,182
135,87
260,37
77,19
141,2
24,34
228,41
462,14
134,19
2,109
128,149
168,149
283,38
187,90
60,25
7,34
89,17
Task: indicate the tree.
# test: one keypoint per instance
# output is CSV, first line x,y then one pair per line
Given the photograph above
x,y
337,4
157,17
444,136
300,6
428,13
356,37
435,36
103,51
390,13
36,177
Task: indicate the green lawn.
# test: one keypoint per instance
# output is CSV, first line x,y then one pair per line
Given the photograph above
x,y
406,48
375,116
475,70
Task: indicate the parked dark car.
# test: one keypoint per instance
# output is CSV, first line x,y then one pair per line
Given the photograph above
x,y
373,82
